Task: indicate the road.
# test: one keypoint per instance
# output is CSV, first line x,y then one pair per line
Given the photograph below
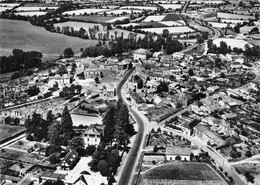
x,y
131,160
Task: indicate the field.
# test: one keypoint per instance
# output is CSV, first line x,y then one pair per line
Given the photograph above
x,y
7,131
199,27
234,16
220,25
86,10
171,6
4,8
35,8
153,8
86,26
174,30
8,4
122,11
232,21
32,158
23,35
24,146
158,18
30,13
97,19
231,42
182,173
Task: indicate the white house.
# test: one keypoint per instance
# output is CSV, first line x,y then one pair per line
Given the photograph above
x,y
178,153
140,54
62,81
92,135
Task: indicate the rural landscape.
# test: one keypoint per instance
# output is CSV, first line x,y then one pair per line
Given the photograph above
x,y
130,92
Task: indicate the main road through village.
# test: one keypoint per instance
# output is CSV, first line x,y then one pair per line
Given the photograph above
x,y
130,162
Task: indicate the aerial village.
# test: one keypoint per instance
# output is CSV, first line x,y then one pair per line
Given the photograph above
x,y
166,112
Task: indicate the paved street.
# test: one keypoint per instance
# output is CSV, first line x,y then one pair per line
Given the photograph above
x,y
131,160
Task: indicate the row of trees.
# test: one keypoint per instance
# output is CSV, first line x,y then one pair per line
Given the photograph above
x,y
115,138
121,45
20,60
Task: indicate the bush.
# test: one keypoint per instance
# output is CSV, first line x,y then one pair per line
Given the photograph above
x,y
20,143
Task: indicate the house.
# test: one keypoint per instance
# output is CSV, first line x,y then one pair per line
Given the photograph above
x,y
92,134
158,101
92,72
178,153
178,56
69,161
47,175
141,54
62,81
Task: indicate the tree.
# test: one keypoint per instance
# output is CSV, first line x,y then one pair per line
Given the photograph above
x,y
76,142
54,134
68,52
16,121
66,125
191,72
165,33
54,158
8,120
103,168
97,80
248,153
90,150
249,177
109,123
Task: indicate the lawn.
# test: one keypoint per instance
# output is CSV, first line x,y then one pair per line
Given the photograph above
x,y
7,131
23,35
174,30
183,171
11,154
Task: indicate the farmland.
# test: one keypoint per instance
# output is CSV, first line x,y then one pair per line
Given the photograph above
x,y
182,173
171,6
220,25
7,131
122,11
158,18
35,8
30,13
231,42
36,38
174,30
4,8
86,26
86,10
97,19
153,8
234,16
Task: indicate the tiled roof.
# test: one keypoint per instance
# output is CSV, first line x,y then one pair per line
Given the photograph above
x,y
178,150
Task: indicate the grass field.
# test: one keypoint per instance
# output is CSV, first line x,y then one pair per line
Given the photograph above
x,y
7,131
35,8
30,13
86,10
231,42
177,172
24,146
32,158
23,35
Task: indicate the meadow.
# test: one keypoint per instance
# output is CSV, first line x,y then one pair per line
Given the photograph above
x,y
23,35
231,42
97,19
35,8
234,16
30,14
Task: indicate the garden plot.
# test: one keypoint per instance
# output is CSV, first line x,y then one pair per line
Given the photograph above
x,y
154,18
174,30
36,8
171,6
232,42
22,144
7,131
11,154
30,14
86,10
153,8
234,16
32,158
122,11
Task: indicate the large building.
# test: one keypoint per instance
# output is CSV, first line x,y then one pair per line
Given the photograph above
x,y
178,153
